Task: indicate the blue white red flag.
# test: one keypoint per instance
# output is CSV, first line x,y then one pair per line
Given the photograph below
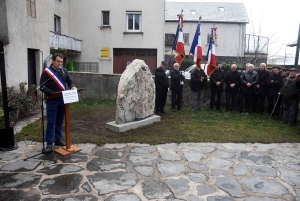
x,y
196,48
211,52
179,48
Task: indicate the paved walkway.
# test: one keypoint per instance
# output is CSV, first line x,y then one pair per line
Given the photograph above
x,y
136,172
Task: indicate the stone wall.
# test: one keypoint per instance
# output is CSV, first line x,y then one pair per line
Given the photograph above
x,y
105,87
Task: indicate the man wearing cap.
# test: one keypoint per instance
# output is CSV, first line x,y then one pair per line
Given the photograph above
x,y
248,81
198,80
274,85
289,93
216,86
269,69
260,89
285,72
162,86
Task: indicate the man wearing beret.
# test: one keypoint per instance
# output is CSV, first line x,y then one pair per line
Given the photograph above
x,y
274,85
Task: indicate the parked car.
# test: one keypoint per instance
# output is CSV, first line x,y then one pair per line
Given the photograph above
x,y
188,71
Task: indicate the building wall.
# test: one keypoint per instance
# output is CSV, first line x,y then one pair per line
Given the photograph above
x,y
230,37
3,23
25,32
61,9
85,22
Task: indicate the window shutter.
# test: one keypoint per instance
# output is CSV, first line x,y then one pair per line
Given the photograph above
x,y
105,52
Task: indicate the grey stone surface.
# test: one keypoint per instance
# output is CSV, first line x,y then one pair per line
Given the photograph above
x,y
251,198
197,177
114,146
14,195
232,146
141,159
112,181
143,150
230,154
73,158
74,198
230,186
292,178
178,186
147,171
64,184
194,156
9,156
263,171
205,189
259,185
256,158
264,147
171,146
21,166
200,149
153,189
197,166
192,197
217,163
286,155
86,186
110,154
217,198
170,156
18,180
170,169
97,164
217,172
297,194
294,166
60,169
123,197
87,148
241,169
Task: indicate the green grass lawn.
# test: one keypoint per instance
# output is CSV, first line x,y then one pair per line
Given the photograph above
x,y
88,119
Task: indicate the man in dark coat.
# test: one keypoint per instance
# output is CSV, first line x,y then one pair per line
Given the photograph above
x,y
289,93
216,86
248,81
260,89
162,86
177,82
232,80
198,80
274,85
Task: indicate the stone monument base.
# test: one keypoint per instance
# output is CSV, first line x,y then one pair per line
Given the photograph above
x,y
131,125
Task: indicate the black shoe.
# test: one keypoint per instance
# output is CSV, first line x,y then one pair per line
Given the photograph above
x,y
178,108
59,143
159,113
163,112
48,149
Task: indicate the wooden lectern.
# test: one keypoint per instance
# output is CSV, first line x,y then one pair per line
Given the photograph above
x,y
68,149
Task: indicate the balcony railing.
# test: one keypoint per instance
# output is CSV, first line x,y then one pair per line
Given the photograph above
x,y
58,41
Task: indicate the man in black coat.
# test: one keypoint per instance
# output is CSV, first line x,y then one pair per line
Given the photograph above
x,y
232,80
162,86
290,95
248,81
260,89
274,85
216,86
198,80
177,82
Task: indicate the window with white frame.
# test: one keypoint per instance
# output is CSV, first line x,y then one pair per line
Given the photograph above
x,y
105,18
133,21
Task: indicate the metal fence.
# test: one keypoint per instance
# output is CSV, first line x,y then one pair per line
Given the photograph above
x,y
256,44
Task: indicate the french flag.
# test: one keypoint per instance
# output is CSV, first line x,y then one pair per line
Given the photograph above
x,y
196,48
180,48
211,52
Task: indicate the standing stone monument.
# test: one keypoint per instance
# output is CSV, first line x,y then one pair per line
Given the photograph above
x,y
136,96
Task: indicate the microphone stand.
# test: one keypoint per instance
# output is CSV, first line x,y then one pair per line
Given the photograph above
x,y
43,129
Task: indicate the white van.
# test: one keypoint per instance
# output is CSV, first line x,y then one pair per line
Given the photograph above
x,y
189,70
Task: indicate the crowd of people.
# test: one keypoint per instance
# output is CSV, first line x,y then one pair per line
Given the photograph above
x,y
246,91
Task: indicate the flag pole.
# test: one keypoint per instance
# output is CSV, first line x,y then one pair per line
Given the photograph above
x,y
175,39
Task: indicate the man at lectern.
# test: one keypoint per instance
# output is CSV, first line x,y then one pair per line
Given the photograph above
x,y
54,79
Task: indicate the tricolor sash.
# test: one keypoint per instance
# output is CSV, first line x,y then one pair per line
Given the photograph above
x,y
55,78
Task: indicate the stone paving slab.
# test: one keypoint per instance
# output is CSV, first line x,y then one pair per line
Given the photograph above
x,y
166,172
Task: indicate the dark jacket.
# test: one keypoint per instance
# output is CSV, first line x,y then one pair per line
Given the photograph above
x,y
176,78
290,88
196,84
232,78
48,86
217,76
251,78
161,80
274,87
263,77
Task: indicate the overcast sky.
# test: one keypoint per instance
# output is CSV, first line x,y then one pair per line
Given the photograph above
x,y
279,21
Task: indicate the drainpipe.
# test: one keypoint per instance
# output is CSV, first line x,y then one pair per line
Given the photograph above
x,y
46,60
